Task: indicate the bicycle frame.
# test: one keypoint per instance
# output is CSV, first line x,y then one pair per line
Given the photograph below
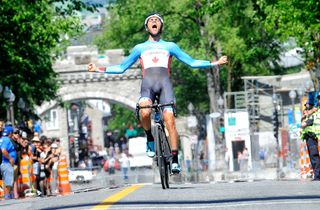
x,y
163,149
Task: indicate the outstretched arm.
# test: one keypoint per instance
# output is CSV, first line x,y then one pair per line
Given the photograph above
x,y
117,69
185,58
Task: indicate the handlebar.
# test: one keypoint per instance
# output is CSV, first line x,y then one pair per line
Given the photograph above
x,y
154,106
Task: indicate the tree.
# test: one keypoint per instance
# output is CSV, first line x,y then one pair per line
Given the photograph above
x,y
32,34
121,118
205,30
298,20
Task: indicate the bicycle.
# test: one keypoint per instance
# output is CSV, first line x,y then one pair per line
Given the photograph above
x,y
163,150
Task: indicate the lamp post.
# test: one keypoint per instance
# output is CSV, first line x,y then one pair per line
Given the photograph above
x,y
7,94
221,109
21,105
192,125
275,128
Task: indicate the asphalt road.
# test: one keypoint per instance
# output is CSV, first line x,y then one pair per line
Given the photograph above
x,y
260,195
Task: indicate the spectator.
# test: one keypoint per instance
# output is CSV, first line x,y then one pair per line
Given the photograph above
x,y
245,156
17,142
35,156
26,148
1,127
262,156
140,130
240,159
130,132
9,155
111,165
108,139
45,168
59,148
55,162
123,143
125,165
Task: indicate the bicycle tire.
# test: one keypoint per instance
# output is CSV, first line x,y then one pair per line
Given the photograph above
x,y
166,151
160,158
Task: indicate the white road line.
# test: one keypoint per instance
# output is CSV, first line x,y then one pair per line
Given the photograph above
x,y
199,206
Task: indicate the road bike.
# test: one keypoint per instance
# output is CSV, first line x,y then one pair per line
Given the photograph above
x,y
163,150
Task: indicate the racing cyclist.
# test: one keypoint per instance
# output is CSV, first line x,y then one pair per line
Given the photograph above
x,y
155,57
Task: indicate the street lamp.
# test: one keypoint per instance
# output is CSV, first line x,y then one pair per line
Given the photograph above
x,y
192,119
192,124
190,108
21,104
7,94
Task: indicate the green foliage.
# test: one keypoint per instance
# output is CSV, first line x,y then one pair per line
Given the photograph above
x,y
297,19
121,117
31,32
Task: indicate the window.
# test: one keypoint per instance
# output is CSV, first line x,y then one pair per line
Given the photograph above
x,y
52,120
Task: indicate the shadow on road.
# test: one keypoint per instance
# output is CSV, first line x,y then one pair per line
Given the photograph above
x,y
162,202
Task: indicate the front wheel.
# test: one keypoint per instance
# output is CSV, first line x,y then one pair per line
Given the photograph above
x,y
162,163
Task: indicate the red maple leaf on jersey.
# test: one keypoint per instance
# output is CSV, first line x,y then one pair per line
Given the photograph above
x,y
155,59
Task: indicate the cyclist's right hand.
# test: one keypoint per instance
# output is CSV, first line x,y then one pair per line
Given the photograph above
x,y
92,67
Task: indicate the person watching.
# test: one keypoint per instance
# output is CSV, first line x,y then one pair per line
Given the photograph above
x,y
9,156
155,57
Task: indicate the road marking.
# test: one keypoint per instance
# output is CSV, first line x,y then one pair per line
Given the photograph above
x,y
107,203
218,206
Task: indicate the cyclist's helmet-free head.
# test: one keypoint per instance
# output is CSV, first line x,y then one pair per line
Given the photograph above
x,y
147,19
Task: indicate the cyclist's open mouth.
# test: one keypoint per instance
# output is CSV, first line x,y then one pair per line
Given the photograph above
x,y
154,29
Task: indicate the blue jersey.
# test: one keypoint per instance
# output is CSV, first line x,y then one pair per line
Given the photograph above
x,y
7,145
156,54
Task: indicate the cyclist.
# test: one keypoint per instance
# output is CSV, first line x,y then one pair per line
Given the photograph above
x,y
155,57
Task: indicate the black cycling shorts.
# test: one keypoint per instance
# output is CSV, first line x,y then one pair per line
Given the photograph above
x,y
156,81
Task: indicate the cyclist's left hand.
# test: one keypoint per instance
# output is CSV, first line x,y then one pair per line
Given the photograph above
x,y
223,60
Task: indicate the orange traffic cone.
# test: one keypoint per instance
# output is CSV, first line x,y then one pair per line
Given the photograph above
x,y
63,177
306,170
303,174
1,190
